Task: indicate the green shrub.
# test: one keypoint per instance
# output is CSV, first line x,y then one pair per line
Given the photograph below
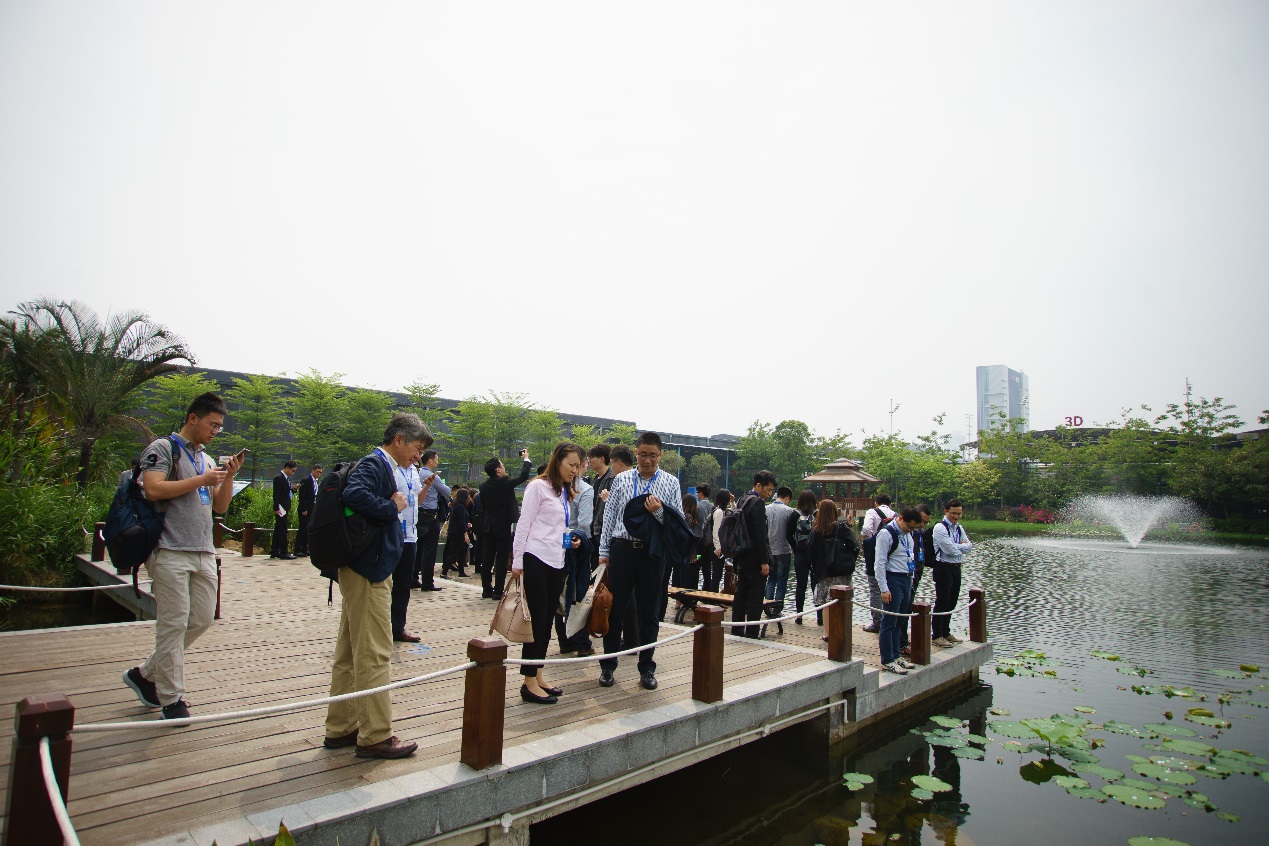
x,y
41,530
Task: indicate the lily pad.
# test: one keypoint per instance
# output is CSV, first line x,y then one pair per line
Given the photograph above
x,y
1141,840
1086,793
977,738
1005,728
1147,786
931,783
968,752
947,722
1075,755
1246,757
1014,746
1265,775
1004,712
950,741
1070,781
1202,804
1174,763
1233,765
1103,654
1142,672
1188,747
1121,728
1228,817
1054,731
1098,770
1133,796
1214,722
1084,709
856,781
1229,674
1199,712
921,793
1170,731
1212,771
1249,668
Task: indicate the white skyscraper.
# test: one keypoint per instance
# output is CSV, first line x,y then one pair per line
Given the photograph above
x,y
1001,389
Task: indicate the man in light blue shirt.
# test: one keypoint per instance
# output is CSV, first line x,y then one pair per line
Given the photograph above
x,y
429,527
951,545
893,570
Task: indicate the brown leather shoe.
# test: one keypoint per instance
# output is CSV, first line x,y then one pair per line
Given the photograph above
x,y
340,742
390,748
405,637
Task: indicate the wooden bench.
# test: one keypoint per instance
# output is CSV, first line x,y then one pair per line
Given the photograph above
x,y
689,599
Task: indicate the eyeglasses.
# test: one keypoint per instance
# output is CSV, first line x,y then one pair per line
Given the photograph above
x,y
216,427
648,456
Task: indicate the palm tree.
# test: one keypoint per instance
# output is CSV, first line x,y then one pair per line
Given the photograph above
x,y
92,371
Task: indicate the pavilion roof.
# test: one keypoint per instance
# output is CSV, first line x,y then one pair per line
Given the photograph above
x,y
842,470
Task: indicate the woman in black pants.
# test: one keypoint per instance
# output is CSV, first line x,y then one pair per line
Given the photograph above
x,y
801,557
537,559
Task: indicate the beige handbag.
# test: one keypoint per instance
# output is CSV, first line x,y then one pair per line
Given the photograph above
x,y
579,613
511,618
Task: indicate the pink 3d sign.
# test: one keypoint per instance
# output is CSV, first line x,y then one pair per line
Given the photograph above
x,y
1075,421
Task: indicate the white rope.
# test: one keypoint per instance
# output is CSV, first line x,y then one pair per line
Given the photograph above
x,y
33,589
881,610
953,611
55,795
253,713
599,656
769,620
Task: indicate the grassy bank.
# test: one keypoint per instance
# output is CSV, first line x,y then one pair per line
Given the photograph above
x,y
999,528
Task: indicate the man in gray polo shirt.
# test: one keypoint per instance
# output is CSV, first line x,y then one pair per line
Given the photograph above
x,y
183,566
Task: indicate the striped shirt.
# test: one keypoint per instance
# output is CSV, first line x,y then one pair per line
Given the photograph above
x,y
662,485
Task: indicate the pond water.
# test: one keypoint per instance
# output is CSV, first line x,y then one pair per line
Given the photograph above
x,y
1187,616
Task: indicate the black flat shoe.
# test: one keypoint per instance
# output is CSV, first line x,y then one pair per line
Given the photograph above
x,y
554,691
529,696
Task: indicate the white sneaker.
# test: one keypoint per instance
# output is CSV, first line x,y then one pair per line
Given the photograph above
x,y
905,664
942,643
894,668
951,638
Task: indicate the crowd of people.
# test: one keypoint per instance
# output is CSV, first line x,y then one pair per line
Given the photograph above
x,y
631,522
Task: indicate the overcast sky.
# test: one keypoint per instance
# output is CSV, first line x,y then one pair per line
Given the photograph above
x,y
687,214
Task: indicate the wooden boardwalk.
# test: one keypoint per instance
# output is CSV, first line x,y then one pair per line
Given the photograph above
x,y
273,645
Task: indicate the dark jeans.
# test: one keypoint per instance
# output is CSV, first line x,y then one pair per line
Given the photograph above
x,y
429,531
579,642
541,586
746,604
402,577
916,580
664,601
713,566
497,552
899,585
279,536
947,589
778,578
802,570
301,537
632,576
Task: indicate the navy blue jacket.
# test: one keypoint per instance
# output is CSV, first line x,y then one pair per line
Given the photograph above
x,y
369,493
670,541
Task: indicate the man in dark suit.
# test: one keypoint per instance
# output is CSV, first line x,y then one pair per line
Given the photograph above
x,y
498,502
308,497
282,507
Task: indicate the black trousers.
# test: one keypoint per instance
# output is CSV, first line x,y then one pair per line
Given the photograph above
x,y
746,604
633,576
402,578
279,536
713,565
497,552
301,537
429,532
802,571
947,588
904,639
541,586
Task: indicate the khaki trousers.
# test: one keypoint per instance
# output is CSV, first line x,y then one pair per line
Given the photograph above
x,y
362,654
184,588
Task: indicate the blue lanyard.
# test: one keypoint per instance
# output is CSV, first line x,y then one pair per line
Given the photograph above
x,y
564,502
199,464
409,483
905,541
954,537
647,487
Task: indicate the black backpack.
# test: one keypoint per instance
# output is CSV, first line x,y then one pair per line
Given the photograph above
x,y
336,533
133,525
870,544
733,533
802,530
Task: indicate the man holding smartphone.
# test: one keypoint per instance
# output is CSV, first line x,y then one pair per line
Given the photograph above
x,y
498,503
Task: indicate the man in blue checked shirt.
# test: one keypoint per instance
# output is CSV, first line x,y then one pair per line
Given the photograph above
x,y
632,573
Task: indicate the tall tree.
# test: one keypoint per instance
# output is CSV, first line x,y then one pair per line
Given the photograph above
x,y
93,370
423,403
622,434
509,413
585,436
469,440
168,397
545,430
260,422
703,469
321,407
366,418
672,462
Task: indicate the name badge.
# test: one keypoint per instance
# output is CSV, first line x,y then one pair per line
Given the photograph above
x,y
411,499
567,543
204,496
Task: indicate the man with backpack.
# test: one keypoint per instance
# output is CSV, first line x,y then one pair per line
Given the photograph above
x,y
951,545
893,570
188,486
880,515
752,563
364,644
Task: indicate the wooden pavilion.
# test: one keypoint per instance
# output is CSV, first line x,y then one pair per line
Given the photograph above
x,y
846,483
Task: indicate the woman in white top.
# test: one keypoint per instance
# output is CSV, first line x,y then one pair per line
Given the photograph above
x,y
723,502
537,559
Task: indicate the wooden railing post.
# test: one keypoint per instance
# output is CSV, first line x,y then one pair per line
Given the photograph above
x,y
837,623
248,539
707,655
978,615
920,636
218,531
99,542
484,703
217,587
29,819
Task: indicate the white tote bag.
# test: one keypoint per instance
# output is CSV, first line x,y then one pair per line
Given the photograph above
x,y
580,612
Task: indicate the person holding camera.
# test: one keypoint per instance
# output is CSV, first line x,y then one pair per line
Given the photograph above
x,y
498,502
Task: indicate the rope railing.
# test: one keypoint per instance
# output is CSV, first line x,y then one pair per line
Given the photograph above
x,y
36,589
896,613
765,621
268,710
954,610
880,610
55,795
600,656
